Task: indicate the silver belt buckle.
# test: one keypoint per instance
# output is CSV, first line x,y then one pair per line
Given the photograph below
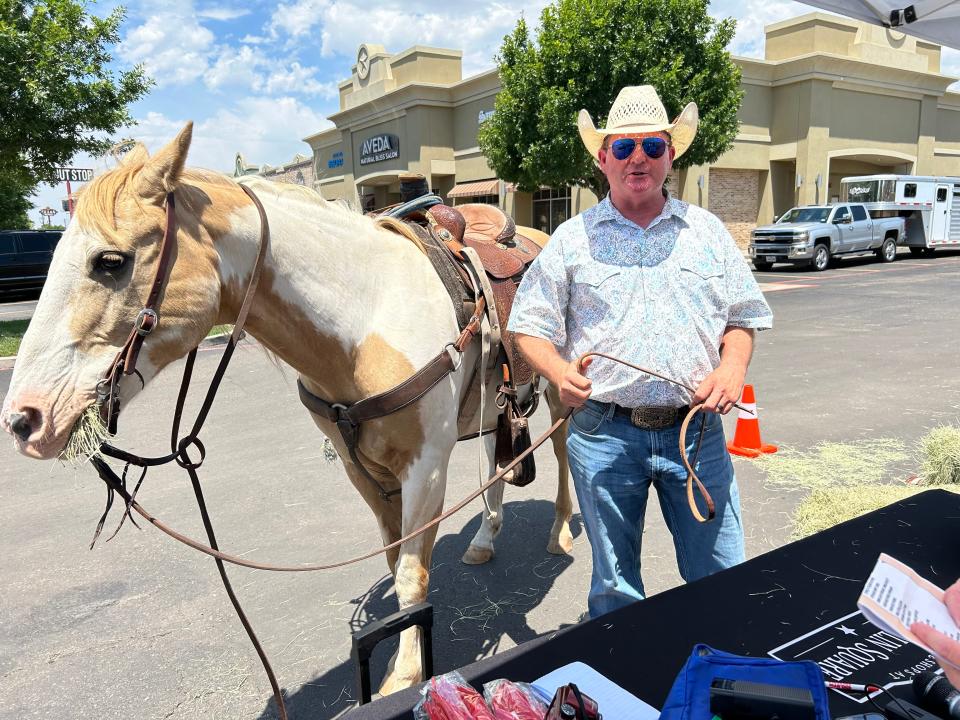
x,y
653,418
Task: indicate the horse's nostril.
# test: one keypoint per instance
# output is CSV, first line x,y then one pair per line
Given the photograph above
x,y
24,423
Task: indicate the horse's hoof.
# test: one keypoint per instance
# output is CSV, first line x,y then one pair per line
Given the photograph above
x,y
477,555
562,544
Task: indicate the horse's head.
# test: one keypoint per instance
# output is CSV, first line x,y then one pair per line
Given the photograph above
x,y
99,279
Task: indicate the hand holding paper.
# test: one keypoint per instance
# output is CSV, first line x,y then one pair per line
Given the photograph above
x,y
897,599
941,645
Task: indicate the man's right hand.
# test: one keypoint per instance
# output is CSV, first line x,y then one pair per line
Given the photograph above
x,y
544,358
574,386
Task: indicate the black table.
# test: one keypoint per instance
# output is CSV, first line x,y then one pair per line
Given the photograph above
x,y
770,601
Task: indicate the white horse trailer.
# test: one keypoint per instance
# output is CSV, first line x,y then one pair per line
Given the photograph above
x,y
929,205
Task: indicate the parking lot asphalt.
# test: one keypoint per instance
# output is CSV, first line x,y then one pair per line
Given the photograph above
x,y
19,307
140,626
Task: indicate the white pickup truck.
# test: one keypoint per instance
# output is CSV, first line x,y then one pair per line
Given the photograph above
x,y
813,234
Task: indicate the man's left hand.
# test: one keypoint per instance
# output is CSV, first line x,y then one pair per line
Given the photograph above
x,y
720,389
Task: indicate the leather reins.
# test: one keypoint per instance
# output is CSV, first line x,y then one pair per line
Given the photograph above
x,y
125,364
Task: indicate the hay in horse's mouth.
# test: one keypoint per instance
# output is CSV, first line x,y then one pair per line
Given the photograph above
x,y
89,432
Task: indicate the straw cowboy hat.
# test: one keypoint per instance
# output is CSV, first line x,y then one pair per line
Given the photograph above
x,y
638,109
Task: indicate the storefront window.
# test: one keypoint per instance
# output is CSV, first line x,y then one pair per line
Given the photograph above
x,y
550,208
484,199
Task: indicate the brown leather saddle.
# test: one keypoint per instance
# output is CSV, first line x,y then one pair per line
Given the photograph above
x,y
505,256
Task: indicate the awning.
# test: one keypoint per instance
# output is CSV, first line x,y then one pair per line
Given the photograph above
x,y
470,189
934,20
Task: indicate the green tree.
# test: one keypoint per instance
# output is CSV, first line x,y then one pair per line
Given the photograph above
x,y
584,53
14,203
59,94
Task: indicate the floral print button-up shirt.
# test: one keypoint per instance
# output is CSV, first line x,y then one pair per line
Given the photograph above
x,y
660,297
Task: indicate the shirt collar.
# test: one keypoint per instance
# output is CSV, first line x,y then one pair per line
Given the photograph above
x,y
605,211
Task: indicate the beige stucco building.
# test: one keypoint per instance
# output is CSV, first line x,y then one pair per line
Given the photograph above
x,y
832,97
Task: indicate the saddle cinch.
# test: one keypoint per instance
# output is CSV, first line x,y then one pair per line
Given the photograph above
x,y
505,256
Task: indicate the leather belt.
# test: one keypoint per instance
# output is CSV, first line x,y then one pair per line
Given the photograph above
x,y
653,417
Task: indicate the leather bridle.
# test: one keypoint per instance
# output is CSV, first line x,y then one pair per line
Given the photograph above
x,y
125,363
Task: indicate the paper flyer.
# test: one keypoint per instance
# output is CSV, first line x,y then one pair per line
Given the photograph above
x,y
894,597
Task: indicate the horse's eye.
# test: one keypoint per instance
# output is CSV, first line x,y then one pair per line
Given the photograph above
x,y
109,261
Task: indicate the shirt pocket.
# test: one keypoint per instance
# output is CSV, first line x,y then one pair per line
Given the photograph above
x,y
596,289
704,281
703,268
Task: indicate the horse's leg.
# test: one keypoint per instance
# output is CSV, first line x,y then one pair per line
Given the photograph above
x,y
387,513
423,489
481,547
561,541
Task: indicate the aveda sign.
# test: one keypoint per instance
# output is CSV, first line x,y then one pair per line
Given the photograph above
x,y
379,147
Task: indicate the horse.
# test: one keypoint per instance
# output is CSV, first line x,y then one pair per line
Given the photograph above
x,y
350,302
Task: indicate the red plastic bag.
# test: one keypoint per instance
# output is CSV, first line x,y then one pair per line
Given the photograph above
x,y
513,701
450,697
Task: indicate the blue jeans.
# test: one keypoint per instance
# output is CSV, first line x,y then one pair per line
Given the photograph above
x,y
613,464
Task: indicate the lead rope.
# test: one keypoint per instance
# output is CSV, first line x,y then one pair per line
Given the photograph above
x,y
114,483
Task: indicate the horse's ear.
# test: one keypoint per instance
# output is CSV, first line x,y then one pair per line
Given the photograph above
x,y
162,171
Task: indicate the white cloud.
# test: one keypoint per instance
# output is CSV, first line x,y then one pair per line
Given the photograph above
x,y
296,78
265,130
235,68
222,13
297,18
172,45
250,69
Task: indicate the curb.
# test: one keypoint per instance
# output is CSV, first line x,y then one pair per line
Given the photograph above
x,y
6,363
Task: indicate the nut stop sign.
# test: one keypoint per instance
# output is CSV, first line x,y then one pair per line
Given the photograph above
x,y
73,174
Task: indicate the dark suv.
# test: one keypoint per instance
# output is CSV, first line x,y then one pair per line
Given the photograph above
x,y
25,258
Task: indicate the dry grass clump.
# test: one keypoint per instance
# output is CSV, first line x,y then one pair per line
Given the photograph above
x,y
831,465
88,434
940,456
826,507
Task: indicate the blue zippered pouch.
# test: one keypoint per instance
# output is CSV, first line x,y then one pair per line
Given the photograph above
x,y
689,698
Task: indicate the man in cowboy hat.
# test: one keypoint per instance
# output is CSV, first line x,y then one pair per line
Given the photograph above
x,y
660,283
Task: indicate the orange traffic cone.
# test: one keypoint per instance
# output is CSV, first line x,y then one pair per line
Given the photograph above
x,y
746,439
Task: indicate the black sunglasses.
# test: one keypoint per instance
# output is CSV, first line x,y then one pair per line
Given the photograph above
x,y
654,147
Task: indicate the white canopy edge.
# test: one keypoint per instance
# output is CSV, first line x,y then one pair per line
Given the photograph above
x,y
937,21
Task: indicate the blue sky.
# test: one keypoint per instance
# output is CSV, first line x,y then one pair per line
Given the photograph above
x,y
257,77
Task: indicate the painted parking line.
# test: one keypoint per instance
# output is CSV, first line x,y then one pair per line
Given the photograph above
x,y
772,282
829,275
776,287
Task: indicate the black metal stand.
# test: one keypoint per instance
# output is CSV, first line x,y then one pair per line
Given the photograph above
x,y
364,641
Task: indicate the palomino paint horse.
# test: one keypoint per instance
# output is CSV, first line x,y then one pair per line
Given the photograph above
x,y
352,306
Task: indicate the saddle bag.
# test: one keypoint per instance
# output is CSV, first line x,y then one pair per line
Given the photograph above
x,y
513,437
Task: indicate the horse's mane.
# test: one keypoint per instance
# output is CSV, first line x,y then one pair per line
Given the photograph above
x,y
97,212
